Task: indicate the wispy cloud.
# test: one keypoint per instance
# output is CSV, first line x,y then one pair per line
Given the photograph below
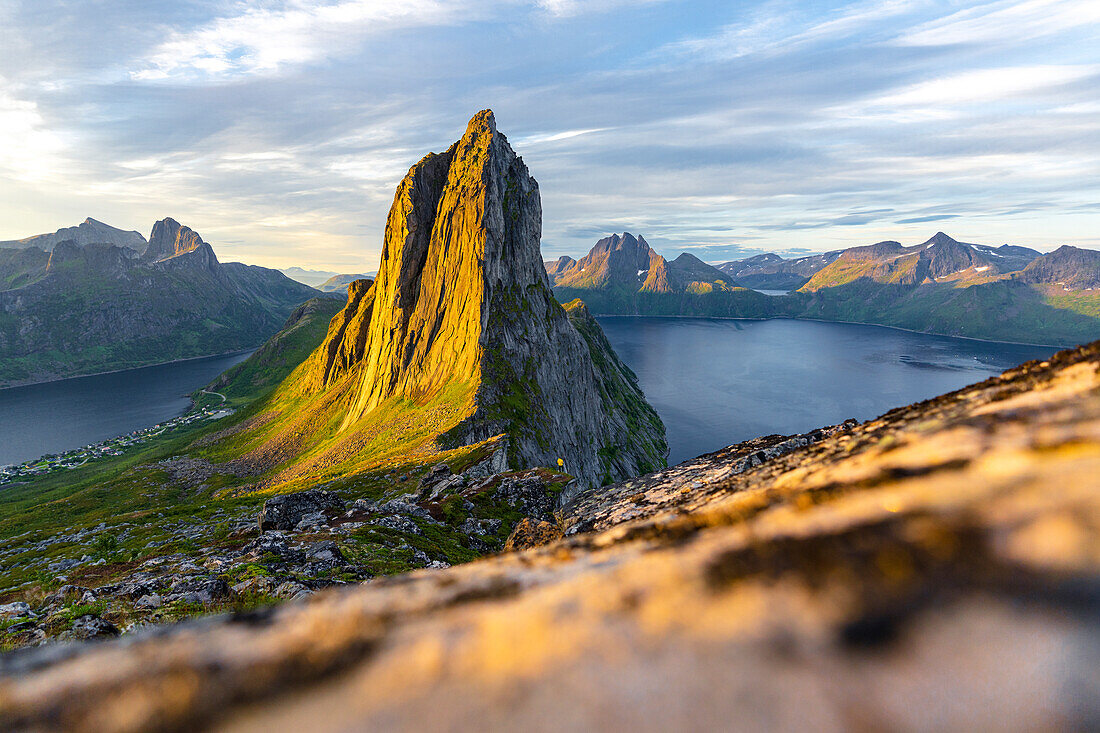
x,y
263,39
280,129
1007,21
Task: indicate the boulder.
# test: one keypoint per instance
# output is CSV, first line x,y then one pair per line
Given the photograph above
x,y
326,552
89,627
530,533
287,510
16,609
197,589
150,601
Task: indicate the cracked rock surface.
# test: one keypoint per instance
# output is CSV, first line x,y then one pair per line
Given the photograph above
x,y
935,568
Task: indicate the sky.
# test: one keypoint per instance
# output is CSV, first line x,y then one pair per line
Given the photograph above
x,y
279,130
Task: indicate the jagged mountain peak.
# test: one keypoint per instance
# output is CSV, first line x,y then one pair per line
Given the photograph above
x,y
939,238
1071,267
170,239
89,231
462,302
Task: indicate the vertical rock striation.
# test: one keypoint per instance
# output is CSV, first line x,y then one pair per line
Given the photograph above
x,y
462,297
169,238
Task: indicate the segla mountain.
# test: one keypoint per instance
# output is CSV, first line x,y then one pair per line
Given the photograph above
x,y
89,306
460,340
941,286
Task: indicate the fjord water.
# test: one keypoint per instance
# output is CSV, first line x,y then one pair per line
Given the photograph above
x,y
58,416
716,382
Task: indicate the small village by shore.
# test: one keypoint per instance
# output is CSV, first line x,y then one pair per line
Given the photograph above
x,y
116,446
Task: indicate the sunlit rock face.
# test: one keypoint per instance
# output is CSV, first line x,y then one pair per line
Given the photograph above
x,y
169,238
462,297
628,264
933,569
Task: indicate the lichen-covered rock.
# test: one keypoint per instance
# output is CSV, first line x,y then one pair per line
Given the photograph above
x,y
89,627
934,569
287,510
532,533
201,589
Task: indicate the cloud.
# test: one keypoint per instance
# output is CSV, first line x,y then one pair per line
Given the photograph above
x,y
33,151
261,39
922,219
936,97
1004,21
280,129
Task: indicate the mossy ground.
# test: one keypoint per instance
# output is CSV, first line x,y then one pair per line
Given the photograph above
x,y
186,497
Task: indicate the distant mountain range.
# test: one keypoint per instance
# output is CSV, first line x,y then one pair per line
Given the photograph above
x,y
339,283
87,306
939,286
88,231
313,278
323,279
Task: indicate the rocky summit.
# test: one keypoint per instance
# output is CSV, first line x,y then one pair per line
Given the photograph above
x,y
627,263
101,301
462,307
935,568
942,286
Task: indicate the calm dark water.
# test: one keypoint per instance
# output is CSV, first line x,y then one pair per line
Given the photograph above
x,y
718,382
60,416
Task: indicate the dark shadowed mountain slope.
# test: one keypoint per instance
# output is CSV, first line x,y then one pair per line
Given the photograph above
x,y
1069,267
20,266
89,231
769,271
100,307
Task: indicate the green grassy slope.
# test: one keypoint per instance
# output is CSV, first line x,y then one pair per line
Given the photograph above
x,y
82,319
279,356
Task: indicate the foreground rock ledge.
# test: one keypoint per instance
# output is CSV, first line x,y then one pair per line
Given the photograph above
x,y
935,568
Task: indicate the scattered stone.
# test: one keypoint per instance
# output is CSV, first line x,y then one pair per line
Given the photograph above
x,y
89,627
474,526
401,506
16,609
399,523
148,602
292,589
364,505
310,521
65,593
259,585
273,544
197,589
326,551
528,493
434,475
62,565
287,510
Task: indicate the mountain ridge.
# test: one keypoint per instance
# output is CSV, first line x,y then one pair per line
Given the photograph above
x,y
90,231
461,324
99,307
941,285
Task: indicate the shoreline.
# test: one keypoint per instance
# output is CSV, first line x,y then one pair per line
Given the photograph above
x,y
850,323
130,369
